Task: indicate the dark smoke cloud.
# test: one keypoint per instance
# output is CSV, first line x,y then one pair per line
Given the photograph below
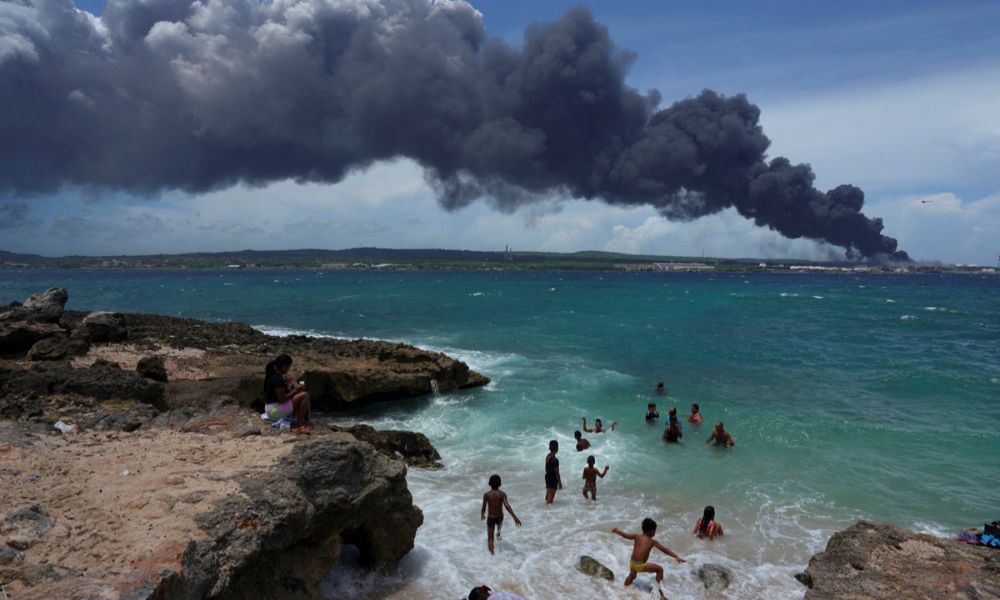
x,y
175,94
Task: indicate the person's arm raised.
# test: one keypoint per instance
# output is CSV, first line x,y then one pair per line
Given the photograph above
x,y
668,551
627,536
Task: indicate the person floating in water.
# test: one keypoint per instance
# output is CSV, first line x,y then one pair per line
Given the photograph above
x,y
590,475
283,396
553,481
695,418
720,436
582,443
651,413
643,545
673,434
660,388
598,426
495,501
707,527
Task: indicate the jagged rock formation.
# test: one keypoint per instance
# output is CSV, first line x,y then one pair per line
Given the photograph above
x,y
169,487
410,446
201,509
201,360
880,561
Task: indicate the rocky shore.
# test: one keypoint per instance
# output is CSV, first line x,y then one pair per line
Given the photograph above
x,y
880,561
163,481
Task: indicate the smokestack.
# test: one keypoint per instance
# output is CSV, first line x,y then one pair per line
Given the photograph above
x,y
196,96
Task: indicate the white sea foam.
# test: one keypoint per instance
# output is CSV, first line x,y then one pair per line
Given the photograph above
x,y
818,297
285,332
907,318
476,294
890,301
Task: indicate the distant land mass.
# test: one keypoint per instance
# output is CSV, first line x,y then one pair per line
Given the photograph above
x,y
443,259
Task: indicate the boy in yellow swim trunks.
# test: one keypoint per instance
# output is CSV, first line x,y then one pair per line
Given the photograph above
x,y
644,544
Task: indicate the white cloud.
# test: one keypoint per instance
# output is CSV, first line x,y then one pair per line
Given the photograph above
x,y
941,131
945,227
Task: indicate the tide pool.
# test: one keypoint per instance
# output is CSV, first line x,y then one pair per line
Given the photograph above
x,y
848,397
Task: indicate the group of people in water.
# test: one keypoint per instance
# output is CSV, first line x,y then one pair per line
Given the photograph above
x,y
285,398
496,501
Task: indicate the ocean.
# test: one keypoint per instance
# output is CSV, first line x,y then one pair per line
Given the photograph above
x,y
848,397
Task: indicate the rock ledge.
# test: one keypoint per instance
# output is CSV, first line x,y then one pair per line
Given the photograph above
x,y
879,561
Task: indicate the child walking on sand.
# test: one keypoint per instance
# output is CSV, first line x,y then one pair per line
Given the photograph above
x,y
590,475
495,501
643,545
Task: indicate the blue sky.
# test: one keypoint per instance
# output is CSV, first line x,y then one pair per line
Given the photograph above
x,y
896,97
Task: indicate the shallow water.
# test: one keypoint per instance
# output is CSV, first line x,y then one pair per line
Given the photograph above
x,y
848,397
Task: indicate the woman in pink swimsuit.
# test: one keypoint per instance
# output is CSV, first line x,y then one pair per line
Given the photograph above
x,y
706,527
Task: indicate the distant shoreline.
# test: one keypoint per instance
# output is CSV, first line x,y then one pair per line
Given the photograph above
x,y
469,260
707,268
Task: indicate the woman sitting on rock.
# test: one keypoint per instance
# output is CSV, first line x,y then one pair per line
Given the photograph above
x,y
283,396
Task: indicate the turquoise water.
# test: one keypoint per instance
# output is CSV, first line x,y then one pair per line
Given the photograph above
x,y
848,397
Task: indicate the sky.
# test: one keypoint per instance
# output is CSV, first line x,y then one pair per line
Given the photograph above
x,y
899,98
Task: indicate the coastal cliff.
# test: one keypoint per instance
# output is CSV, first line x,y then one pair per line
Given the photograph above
x,y
880,561
164,482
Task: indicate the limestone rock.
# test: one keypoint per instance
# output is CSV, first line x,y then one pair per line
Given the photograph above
x,y
9,555
79,341
152,367
101,363
390,371
269,529
714,576
327,493
20,336
104,326
411,446
50,348
23,526
590,566
880,561
101,383
44,307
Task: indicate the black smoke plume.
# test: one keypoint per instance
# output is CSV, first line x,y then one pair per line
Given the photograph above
x,y
198,95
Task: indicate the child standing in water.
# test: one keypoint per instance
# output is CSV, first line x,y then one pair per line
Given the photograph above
x,y
495,501
552,479
590,475
642,546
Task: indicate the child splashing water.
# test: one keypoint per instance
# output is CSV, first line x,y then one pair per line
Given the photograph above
x,y
642,546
